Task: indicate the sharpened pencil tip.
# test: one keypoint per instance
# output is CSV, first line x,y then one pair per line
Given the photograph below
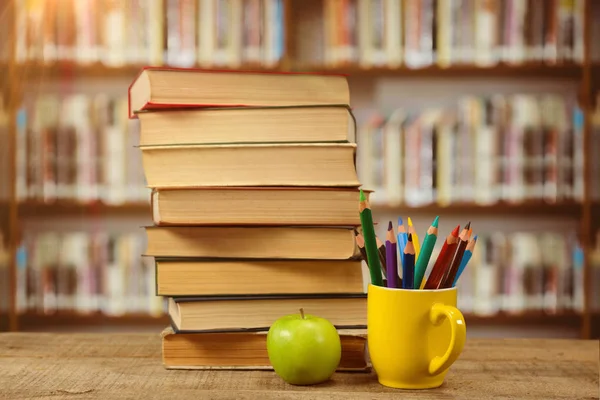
x,y
362,196
435,222
475,238
455,231
390,226
410,237
400,222
410,222
468,225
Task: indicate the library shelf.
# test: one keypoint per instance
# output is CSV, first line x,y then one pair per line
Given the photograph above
x,y
73,208
526,208
32,320
529,70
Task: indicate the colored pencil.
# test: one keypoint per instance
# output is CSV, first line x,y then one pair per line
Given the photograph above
x,y
366,221
381,250
425,254
391,258
466,258
402,236
463,240
408,264
413,231
360,243
443,261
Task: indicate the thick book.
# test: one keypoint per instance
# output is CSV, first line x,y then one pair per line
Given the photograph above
x,y
188,277
258,313
247,350
247,125
160,88
324,164
252,242
256,206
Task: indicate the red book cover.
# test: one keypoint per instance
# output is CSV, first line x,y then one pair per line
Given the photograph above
x,y
157,106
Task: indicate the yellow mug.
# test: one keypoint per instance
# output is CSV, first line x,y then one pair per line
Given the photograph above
x,y
414,336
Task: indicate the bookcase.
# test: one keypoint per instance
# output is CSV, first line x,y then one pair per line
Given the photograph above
x,y
62,69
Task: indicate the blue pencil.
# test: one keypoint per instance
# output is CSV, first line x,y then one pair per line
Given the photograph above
x,y
465,260
402,237
408,264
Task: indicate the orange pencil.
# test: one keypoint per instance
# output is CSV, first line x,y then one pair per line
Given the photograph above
x,y
450,275
443,261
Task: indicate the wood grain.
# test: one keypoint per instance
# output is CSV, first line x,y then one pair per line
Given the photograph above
x,y
124,366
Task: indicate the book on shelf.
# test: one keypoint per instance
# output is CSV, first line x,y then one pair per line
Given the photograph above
x,y
181,33
232,33
247,125
324,243
256,206
246,350
188,277
418,34
293,164
159,88
258,313
523,272
80,148
485,150
85,272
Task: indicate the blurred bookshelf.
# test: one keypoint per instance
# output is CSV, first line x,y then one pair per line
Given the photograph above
x,y
373,42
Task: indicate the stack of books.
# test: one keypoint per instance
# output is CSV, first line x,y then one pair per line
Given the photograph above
x,y
255,198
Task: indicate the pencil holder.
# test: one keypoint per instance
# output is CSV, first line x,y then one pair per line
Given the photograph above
x,y
414,336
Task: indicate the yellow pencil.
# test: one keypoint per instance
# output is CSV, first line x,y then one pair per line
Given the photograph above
x,y
412,230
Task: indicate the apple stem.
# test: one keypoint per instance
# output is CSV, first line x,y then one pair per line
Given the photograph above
x,y
302,313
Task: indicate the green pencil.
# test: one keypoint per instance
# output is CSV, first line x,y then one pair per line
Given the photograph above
x,y
368,230
425,253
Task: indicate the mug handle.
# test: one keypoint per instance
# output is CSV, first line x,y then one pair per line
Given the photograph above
x,y
458,336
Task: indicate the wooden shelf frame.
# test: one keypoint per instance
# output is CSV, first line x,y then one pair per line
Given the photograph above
x,y
42,72
14,83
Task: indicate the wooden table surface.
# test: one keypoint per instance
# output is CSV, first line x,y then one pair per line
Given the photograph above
x,y
125,366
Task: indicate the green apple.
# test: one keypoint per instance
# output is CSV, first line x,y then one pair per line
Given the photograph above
x,y
304,349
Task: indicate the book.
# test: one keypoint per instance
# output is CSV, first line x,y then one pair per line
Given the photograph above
x,y
330,165
247,125
159,88
254,313
252,242
246,350
256,206
189,277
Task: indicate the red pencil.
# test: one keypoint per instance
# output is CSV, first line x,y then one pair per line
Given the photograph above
x,y
450,275
443,261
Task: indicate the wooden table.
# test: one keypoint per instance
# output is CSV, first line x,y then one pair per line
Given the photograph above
x,y
124,366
